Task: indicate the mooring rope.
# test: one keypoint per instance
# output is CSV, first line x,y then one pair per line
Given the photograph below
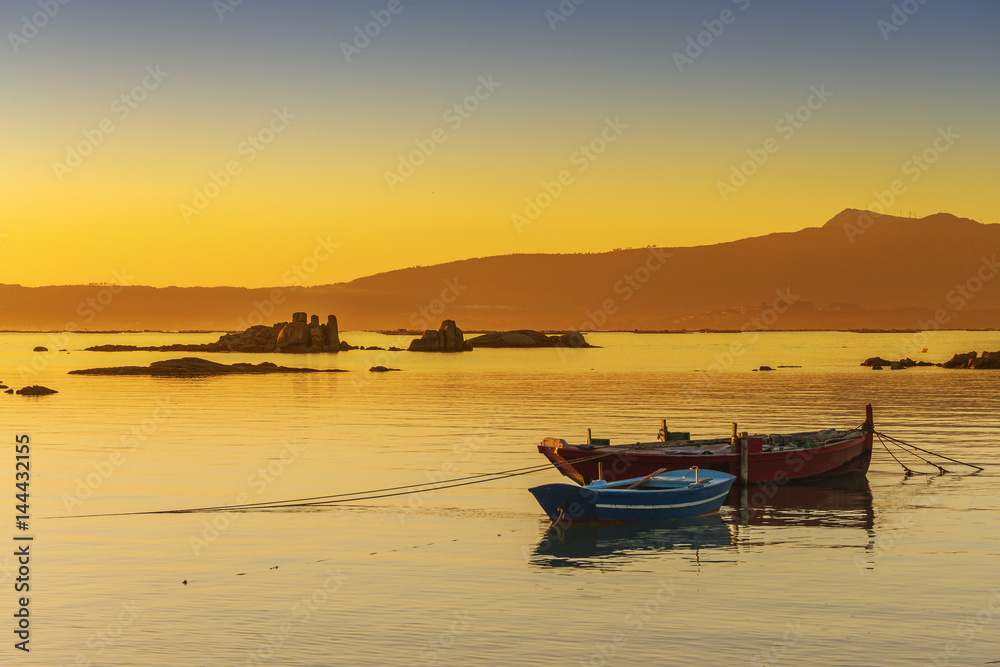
x,y
941,469
907,470
480,478
371,494
902,443
914,454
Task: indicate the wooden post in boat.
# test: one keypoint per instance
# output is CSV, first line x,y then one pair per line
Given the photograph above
x,y
588,436
663,430
744,458
733,439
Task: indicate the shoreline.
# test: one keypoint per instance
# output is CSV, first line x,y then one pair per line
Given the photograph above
x,y
402,332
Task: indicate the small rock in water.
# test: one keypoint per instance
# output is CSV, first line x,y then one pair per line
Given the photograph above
x,y
381,369
766,368
41,348
36,390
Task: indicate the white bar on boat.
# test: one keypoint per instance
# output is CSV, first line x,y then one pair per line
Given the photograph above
x,y
662,507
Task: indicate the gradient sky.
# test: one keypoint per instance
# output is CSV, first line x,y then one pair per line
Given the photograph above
x,y
323,176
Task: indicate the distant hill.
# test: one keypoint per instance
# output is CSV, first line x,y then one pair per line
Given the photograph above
x,y
859,270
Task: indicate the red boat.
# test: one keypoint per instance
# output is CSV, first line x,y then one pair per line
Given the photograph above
x,y
770,458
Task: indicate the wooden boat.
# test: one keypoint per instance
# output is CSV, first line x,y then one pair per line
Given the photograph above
x,y
655,497
771,458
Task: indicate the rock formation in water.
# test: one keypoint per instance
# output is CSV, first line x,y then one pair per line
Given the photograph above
x,y
301,335
987,360
528,338
448,338
876,361
36,390
194,367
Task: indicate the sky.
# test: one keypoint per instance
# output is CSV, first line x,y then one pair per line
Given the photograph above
x,y
228,142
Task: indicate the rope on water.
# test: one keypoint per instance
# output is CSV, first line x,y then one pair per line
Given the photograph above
x,y
426,487
905,469
371,494
941,470
902,444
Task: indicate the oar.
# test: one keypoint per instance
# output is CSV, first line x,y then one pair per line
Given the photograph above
x,y
647,478
566,468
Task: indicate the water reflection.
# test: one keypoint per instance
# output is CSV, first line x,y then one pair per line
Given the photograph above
x,y
598,545
844,502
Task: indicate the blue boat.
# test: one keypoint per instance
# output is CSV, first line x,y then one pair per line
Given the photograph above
x,y
656,497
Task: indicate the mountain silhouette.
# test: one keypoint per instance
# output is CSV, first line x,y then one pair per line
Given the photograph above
x,y
859,270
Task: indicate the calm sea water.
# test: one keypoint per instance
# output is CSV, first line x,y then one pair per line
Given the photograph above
x,y
895,571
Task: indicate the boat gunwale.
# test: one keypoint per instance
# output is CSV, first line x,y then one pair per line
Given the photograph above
x,y
627,450
709,479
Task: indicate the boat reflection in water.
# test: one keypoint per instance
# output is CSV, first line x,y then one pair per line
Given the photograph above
x,y
841,502
607,546
843,505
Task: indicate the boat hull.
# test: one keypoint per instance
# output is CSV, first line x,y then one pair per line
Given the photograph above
x,y
850,456
588,503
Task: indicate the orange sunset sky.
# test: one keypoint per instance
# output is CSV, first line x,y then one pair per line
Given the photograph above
x,y
193,145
